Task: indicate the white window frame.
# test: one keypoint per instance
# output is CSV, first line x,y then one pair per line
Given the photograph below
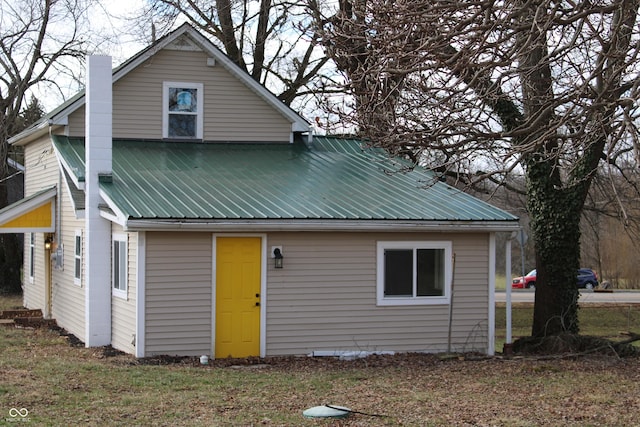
x,y
383,300
117,269
77,258
32,257
199,106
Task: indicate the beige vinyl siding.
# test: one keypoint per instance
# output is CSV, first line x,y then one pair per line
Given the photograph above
x,y
123,312
178,293
68,297
325,297
232,112
41,172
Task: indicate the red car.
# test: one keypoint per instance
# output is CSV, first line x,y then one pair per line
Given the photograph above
x,y
528,281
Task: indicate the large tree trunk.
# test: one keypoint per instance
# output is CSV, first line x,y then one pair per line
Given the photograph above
x,y
555,225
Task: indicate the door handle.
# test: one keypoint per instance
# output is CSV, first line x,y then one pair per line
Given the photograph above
x,y
257,304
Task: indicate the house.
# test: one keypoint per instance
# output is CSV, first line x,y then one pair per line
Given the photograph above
x,y
177,207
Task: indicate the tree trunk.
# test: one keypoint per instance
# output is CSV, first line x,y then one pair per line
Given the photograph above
x,y
555,227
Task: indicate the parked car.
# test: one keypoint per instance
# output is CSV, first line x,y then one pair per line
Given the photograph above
x,y
526,282
586,279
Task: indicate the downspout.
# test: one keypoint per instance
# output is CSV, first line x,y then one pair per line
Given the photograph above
x,y
98,161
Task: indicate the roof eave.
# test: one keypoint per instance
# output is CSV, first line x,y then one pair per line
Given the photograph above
x,y
37,131
247,225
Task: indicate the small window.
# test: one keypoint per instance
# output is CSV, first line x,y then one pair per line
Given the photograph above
x,y
414,273
119,262
182,110
77,271
32,256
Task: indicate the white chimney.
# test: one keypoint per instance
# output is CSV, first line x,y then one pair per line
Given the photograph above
x,y
97,240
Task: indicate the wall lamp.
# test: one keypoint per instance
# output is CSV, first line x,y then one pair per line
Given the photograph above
x,y
277,258
48,242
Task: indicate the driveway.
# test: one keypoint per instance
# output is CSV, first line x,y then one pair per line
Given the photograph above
x,y
586,297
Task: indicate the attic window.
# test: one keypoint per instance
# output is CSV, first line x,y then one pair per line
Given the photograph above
x,y
182,115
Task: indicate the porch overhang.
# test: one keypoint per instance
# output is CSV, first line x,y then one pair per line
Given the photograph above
x,y
35,213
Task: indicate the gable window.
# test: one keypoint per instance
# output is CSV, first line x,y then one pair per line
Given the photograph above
x,y
413,273
77,270
182,110
32,255
119,265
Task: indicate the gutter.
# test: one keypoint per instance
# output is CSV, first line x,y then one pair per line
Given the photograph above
x,y
320,225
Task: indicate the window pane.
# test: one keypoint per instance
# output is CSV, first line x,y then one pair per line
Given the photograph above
x,y
398,272
182,99
78,241
116,265
120,265
123,265
181,125
430,272
77,268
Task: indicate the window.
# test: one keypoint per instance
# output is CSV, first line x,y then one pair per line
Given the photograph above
x,y
412,273
182,110
32,254
119,263
77,271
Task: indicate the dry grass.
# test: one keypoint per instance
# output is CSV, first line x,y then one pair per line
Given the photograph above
x,y
62,385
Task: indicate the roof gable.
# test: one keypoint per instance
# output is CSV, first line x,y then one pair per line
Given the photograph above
x,y
184,38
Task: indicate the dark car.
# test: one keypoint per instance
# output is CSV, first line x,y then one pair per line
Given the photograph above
x,y
586,277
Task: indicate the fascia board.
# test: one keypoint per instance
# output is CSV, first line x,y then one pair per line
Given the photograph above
x,y
322,225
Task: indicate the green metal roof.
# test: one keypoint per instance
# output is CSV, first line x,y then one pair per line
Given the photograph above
x,y
332,179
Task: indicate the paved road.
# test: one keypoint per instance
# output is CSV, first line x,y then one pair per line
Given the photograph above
x,y
586,297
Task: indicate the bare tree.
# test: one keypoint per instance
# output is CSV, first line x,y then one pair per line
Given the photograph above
x,y
37,39
487,89
273,40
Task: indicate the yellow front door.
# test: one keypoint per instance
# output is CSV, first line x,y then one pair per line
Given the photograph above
x,y
237,296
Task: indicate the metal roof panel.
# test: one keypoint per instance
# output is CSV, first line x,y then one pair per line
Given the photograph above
x,y
332,179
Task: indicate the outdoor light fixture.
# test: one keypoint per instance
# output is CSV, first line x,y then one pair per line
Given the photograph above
x,y
47,243
277,258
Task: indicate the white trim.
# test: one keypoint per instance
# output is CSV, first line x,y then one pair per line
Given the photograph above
x,y
263,288
77,257
381,300
319,225
491,327
117,292
141,271
199,87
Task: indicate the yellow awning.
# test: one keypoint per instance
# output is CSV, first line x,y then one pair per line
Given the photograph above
x,y
35,213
